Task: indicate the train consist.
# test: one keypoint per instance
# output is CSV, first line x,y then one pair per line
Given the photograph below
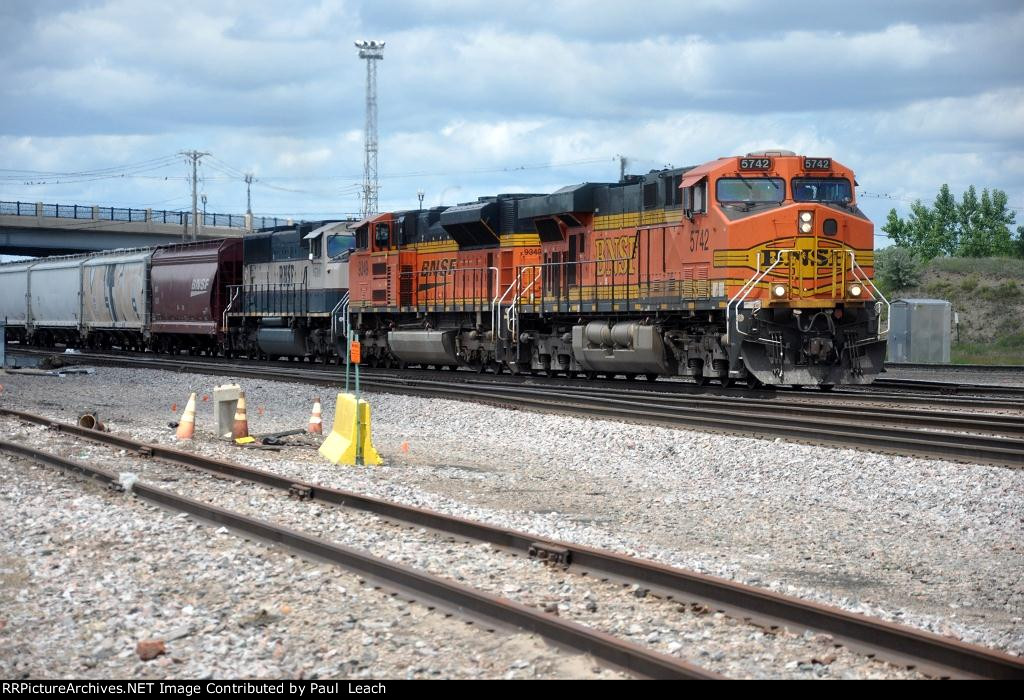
x,y
754,268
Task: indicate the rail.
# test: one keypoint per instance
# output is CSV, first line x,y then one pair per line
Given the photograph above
x,y
897,643
342,318
457,289
561,289
427,588
227,309
273,299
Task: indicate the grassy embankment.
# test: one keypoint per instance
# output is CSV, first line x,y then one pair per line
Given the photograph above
x,y
988,294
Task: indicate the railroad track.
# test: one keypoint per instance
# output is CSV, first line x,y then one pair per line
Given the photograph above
x,y
890,391
897,644
973,438
1008,369
948,388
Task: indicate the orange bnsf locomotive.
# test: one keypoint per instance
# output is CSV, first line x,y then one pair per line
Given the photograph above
x,y
754,268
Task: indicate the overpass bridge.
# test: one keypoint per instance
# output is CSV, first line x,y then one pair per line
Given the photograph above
x,y
37,229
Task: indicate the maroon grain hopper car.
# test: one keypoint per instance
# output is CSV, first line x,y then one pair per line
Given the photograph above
x,y
190,294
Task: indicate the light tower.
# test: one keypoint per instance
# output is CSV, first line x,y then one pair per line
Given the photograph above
x,y
372,51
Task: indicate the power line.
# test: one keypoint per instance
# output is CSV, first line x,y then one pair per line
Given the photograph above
x,y
909,200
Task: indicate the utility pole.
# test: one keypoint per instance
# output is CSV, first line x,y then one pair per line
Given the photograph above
x,y
372,51
248,193
195,157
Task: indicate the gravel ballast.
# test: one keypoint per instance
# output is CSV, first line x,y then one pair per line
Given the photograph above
x,y
925,542
86,575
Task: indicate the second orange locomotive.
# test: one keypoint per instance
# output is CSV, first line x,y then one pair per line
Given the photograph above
x,y
754,268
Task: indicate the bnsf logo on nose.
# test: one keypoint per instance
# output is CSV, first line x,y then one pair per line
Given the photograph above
x,y
436,265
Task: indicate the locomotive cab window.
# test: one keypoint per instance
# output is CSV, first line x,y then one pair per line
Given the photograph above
x,y
695,198
363,237
314,247
821,189
383,235
750,190
339,244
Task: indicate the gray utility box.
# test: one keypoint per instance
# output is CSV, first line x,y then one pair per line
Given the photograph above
x,y
921,330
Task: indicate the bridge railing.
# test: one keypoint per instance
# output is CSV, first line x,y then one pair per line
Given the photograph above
x,y
161,216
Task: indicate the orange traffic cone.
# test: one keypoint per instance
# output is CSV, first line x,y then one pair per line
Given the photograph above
x,y
240,428
187,425
316,421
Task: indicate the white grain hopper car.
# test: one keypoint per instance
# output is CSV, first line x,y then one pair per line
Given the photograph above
x,y
51,300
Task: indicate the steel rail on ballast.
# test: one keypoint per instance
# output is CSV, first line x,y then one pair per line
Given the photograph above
x,y
757,419
896,643
855,394
417,585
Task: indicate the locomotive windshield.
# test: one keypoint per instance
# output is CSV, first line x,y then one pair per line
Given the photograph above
x,y
339,244
821,189
750,189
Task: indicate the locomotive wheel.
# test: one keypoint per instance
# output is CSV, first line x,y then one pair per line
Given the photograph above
x,y
726,382
651,377
591,375
826,387
701,380
630,376
496,367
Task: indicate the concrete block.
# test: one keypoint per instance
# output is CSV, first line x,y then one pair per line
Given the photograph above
x,y
225,401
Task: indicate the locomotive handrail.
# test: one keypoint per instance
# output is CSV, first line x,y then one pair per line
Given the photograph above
x,y
512,314
456,273
744,292
496,307
877,294
231,302
342,304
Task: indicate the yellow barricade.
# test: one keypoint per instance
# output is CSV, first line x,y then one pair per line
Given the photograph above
x,y
340,445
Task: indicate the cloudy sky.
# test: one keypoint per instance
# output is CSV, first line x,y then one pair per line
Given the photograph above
x,y
481,97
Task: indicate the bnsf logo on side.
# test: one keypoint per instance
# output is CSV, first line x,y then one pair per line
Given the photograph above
x,y
199,286
439,265
616,255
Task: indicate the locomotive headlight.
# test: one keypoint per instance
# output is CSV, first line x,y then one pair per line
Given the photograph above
x,y
805,226
805,216
855,290
806,221
779,291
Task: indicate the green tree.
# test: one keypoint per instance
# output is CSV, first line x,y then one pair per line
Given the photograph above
x,y
944,221
971,228
896,269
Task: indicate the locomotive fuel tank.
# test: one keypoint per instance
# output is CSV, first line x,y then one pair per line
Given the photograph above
x,y
428,347
625,347
276,337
